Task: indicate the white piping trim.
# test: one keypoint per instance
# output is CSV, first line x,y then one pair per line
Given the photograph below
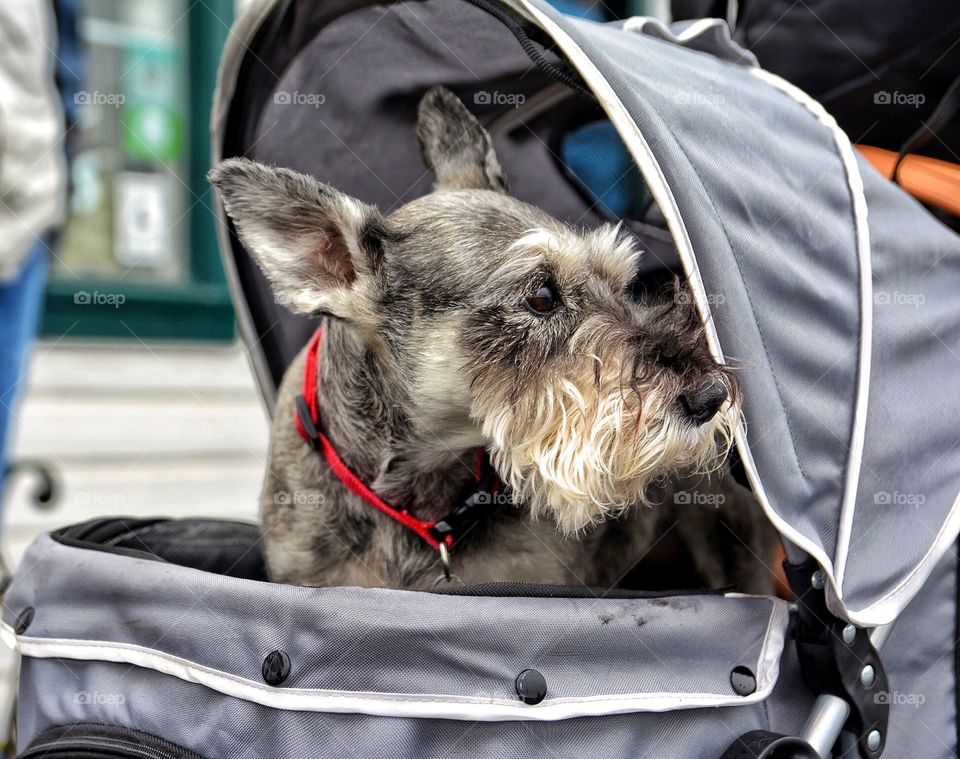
x,y
637,23
405,705
768,663
857,435
888,607
663,31
885,609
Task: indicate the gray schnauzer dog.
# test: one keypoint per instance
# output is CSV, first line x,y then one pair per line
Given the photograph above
x,y
467,320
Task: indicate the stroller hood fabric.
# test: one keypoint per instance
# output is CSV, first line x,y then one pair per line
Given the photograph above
x,y
831,290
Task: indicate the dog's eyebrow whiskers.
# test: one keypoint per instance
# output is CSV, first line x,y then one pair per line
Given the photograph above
x,y
537,238
516,267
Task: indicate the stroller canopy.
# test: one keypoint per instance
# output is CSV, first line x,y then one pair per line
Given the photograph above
x,y
833,293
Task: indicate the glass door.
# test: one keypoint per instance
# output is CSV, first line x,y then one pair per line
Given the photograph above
x,y
138,257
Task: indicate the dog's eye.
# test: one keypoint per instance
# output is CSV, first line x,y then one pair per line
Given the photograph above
x,y
543,301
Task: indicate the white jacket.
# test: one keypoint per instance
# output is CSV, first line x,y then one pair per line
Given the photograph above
x,y
31,130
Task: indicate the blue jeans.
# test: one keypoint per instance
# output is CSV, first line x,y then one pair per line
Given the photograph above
x,y
21,303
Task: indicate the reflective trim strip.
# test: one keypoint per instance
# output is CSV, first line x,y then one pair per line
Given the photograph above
x,y
636,24
644,24
888,607
422,706
862,228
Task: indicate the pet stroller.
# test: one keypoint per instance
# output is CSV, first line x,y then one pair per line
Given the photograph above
x,y
834,290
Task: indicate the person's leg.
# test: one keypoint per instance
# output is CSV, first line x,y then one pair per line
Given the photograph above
x,y
21,303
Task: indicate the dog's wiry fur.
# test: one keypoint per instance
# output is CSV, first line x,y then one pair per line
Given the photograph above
x,y
430,351
588,420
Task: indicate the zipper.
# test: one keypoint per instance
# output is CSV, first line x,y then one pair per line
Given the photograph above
x,y
525,32
90,741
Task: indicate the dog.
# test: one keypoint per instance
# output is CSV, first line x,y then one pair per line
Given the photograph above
x,y
468,321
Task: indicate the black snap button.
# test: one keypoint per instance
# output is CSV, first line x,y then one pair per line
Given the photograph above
x,y
276,667
531,686
23,621
744,682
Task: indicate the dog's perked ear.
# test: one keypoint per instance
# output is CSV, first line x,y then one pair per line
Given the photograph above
x,y
455,146
318,247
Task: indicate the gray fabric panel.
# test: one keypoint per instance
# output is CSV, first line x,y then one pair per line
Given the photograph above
x,y
920,661
216,726
911,473
714,38
764,197
372,67
766,202
791,701
385,641
919,658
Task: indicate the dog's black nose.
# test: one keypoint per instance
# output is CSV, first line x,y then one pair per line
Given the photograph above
x,y
704,401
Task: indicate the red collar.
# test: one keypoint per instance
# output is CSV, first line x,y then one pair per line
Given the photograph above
x,y
446,529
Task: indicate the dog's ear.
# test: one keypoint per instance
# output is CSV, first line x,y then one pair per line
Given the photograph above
x,y
455,146
316,245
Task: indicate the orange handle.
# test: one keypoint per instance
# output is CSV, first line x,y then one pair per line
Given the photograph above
x,y
929,180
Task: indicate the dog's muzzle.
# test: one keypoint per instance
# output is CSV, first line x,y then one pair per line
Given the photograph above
x,y
703,403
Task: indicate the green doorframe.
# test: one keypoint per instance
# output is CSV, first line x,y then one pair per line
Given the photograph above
x,y
198,308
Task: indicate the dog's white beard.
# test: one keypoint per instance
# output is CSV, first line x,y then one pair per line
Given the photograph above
x,y
584,452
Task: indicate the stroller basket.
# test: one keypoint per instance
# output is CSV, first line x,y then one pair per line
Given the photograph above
x,y
186,601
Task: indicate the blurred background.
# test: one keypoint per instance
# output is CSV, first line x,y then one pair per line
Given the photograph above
x,y
137,396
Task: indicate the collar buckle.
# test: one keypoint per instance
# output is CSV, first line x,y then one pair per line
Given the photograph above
x,y
465,516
